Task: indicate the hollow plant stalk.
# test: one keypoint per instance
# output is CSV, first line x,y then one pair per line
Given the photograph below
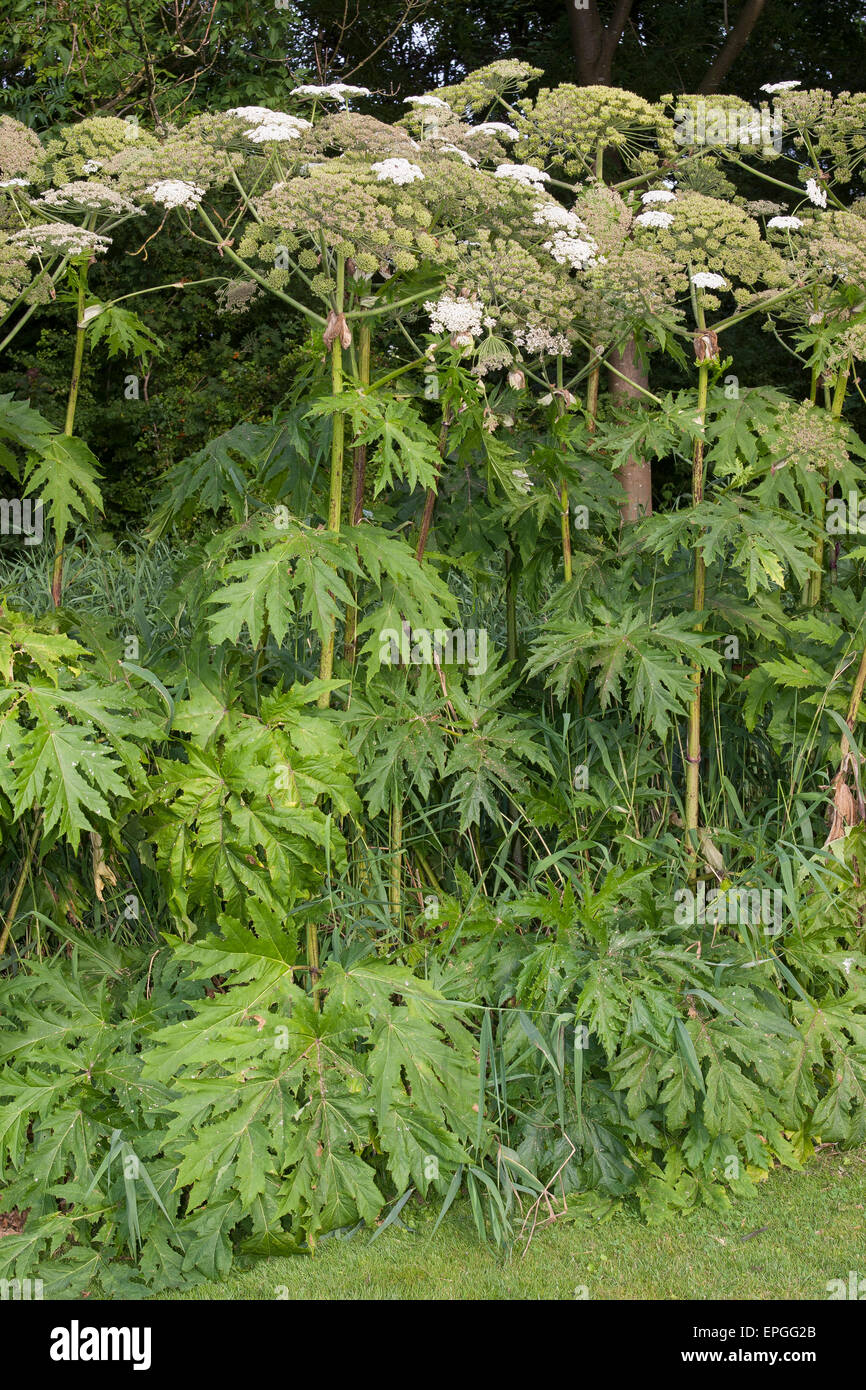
x,y
430,499
693,752
359,480
816,578
564,519
326,663
69,423
395,887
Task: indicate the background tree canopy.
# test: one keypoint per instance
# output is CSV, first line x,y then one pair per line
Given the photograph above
x,y
432,619
151,59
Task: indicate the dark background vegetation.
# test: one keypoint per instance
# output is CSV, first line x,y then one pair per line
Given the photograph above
x,y
163,62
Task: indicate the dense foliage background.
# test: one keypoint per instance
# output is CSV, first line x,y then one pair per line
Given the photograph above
x,y
431,618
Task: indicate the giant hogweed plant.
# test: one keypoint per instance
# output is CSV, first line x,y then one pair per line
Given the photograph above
x,y
407,924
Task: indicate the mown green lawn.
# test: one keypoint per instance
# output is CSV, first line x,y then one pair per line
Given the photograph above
x,y
799,1231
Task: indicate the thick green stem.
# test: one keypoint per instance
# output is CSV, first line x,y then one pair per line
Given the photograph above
x,y
225,249
19,886
335,505
430,499
816,578
693,754
564,518
69,423
395,890
359,479
511,601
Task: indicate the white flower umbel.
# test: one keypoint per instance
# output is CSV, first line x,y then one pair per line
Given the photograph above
x,y
780,86
83,194
460,317
539,339
708,280
577,252
426,101
654,219
786,224
815,193
505,132
333,91
263,115
15,183
657,195
61,238
91,166
398,171
273,130
175,193
527,174
453,149
555,215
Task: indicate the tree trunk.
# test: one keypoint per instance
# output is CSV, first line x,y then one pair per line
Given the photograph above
x,y
626,380
592,44
733,46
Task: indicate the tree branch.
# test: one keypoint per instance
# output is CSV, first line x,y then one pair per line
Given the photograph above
x,y
733,46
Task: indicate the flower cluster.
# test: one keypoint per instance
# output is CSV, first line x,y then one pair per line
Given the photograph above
x,y
397,171
527,174
87,194
568,126
331,91
718,121
605,215
264,126
708,280
522,291
14,273
20,148
571,243
349,130
457,194
175,193
68,149
499,129
461,154
192,156
263,115
60,239
379,226
832,128
834,244
815,193
709,234
428,102
634,286
654,218
236,296
808,439
480,89
462,317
